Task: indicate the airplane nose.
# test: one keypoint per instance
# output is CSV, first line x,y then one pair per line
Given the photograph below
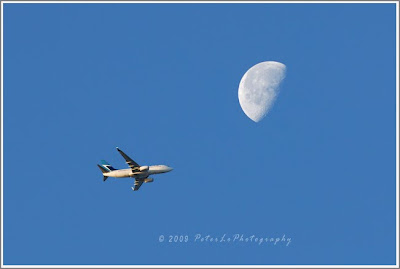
x,y
170,168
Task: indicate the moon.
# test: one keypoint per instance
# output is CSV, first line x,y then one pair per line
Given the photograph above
x,y
260,87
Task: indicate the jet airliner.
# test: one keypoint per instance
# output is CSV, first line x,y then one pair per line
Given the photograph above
x,y
140,173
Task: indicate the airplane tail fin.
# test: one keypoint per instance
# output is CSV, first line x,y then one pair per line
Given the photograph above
x,y
107,166
103,170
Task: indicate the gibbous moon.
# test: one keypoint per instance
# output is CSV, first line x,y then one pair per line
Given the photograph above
x,y
259,88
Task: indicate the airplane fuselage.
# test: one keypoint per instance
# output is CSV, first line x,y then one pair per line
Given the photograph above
x,y
154,169
140,173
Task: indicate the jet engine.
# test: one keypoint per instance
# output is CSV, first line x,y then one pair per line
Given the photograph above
x,y
143,168
148,180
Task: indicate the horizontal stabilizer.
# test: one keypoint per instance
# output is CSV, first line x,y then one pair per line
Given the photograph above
x,y
104,178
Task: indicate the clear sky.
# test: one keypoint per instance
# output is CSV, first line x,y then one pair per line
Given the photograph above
x,y
160,81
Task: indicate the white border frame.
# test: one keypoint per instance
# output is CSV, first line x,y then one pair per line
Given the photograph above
x,y
207,266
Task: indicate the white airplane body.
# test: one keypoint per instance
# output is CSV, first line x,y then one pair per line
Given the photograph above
x,y
140,173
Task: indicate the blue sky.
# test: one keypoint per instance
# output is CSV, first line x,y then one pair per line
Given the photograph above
x,y
160,81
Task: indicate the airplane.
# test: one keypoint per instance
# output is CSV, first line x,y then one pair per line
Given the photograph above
x,y
140,173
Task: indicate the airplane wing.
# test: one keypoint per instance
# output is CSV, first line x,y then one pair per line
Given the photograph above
x,y
138,183
132,164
